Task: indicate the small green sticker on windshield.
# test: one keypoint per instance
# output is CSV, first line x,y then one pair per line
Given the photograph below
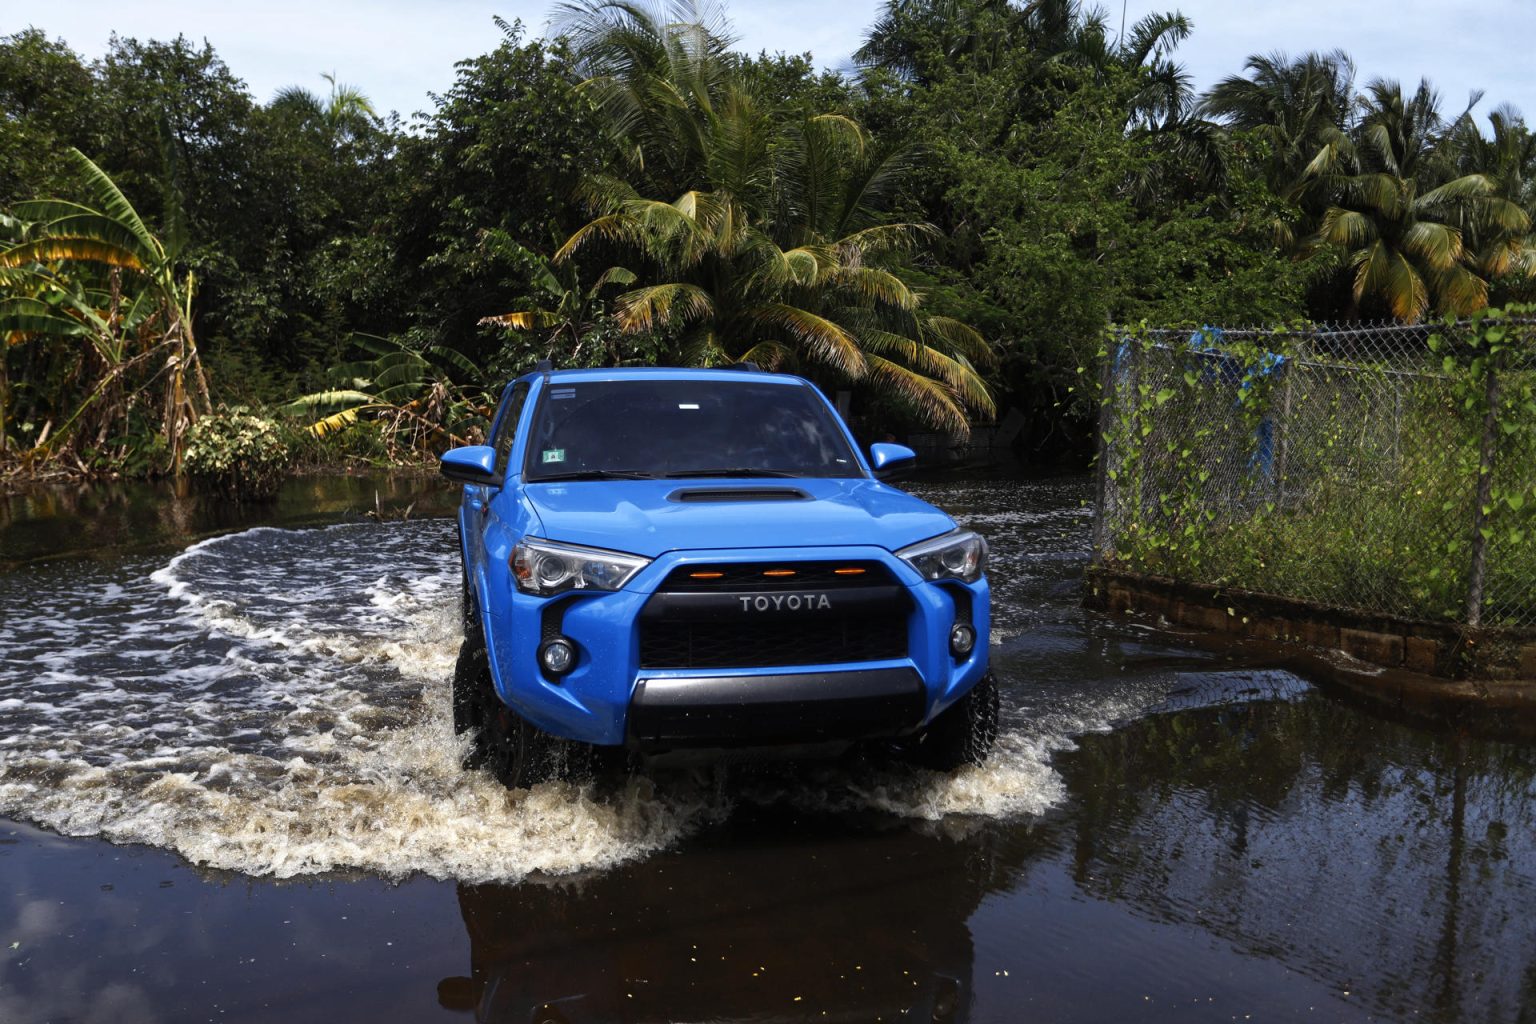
x,y
554,455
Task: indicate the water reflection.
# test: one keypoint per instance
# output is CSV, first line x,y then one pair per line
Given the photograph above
x,y
1248,845
107,518
1394,864
772,917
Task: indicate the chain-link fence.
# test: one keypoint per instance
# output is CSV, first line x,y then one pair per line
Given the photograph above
x,y
1384,469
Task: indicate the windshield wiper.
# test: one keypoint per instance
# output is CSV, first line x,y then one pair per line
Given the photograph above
x,y
734,471
595,474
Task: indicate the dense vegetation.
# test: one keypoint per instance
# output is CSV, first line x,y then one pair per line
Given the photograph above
x,y
945,232
1384,469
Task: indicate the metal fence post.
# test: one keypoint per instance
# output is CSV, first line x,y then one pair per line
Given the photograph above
x,y
1282,433
1101,497
1486,453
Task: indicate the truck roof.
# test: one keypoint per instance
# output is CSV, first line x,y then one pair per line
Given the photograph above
x,y
723,374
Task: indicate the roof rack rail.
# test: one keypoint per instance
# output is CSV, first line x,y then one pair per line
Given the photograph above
x,y
544,366
747,365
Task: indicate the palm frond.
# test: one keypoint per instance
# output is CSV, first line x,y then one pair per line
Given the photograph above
x,y
90,225
1438,245
1460,292
770,355
613,227
662,305
959,337
112,202
621,276
22,318
874,285
1348,228
41,211
521,320
933,402
819,338
955,372
328,399
888,237
454,358
333,423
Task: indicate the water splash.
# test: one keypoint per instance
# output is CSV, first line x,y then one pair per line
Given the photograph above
x,y
276,702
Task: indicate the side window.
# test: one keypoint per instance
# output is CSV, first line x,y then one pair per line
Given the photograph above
x,y
506,429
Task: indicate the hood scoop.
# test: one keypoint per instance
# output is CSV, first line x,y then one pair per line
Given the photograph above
x,y
719,495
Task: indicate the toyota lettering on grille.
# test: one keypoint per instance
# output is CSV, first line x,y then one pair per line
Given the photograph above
x,y
785,602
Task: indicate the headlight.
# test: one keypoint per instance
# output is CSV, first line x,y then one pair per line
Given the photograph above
x,y
544,567
961,555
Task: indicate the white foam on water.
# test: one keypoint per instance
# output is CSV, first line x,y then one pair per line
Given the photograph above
x,y
276,702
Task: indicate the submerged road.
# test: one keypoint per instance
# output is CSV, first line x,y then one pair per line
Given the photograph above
x,y
232,792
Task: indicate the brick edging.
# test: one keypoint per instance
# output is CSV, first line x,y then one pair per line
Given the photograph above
x,y
1442,650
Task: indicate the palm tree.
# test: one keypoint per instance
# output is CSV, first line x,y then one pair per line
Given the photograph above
x,y
138,313
1294,105
771,246
1508,159
914,38
657,72
1404,231
342,116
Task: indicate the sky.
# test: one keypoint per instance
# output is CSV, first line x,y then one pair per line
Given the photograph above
x,y
399,51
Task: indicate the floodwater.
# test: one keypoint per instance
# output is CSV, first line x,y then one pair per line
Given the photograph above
x,y
231,791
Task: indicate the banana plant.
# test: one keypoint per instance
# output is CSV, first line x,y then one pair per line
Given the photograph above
x,y
94,270
570,314
409,391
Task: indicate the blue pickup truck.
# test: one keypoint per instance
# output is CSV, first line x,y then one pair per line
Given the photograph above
x,y
663,560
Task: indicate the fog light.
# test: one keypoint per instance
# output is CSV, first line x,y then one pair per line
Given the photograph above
x,y
558,656
962,638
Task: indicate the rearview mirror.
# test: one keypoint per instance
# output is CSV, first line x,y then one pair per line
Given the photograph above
x,y
884,456
473,464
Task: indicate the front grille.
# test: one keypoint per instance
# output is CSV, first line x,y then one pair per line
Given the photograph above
x,y
764,644
772,614
753,576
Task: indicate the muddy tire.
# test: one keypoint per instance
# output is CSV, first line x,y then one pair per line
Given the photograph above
x,y
517,753
514,750
963,734
467,671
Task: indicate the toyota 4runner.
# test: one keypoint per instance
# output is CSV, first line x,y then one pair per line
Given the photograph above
x,y
662,560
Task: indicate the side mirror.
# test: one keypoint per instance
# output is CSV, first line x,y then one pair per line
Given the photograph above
x,y
884,457
474,464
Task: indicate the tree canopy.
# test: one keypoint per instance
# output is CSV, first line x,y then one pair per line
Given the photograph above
x,y
942,231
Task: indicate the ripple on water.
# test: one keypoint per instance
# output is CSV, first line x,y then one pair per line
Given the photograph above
x,y
276,702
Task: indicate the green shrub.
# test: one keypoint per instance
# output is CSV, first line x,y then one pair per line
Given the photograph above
x,y
241,454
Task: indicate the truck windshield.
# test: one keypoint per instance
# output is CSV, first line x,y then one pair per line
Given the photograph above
x,y
684,428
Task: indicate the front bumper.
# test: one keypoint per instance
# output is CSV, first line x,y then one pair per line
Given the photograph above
x,y
609,699
763,710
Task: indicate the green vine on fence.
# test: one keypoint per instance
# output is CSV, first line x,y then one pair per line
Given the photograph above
x,y
1488,363
1380,469
1158,453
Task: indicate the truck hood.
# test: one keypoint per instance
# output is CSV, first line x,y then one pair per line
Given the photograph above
x,y
650,517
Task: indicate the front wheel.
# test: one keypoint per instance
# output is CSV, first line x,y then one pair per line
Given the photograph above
x,y
962,734
517,752
468,670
